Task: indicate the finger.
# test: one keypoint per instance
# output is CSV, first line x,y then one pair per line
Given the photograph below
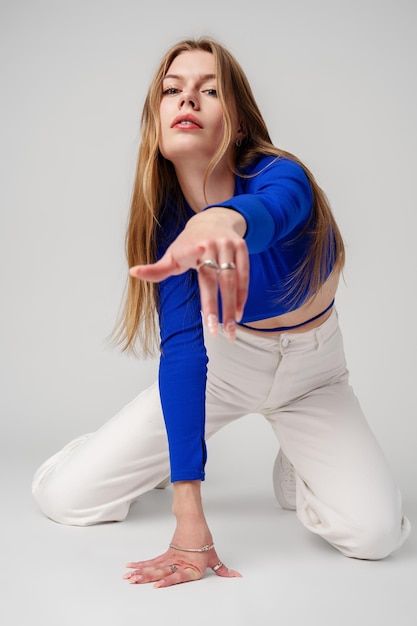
x,y
186,575
150,574
228,292
150,562
242,277
138,572
228,289
233,280
156,272
225,572
165,576
221,569
176,260
208,285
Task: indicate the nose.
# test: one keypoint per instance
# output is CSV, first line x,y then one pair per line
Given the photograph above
x,y
188,99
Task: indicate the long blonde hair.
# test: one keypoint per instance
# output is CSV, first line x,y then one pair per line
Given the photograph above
x,y
155,178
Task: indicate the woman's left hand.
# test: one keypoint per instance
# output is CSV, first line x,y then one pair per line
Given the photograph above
x,y
175,567
211,242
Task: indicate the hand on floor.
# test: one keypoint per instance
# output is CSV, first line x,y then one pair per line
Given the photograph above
x,y
175,567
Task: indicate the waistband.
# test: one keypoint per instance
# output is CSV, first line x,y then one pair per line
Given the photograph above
x,y
284,328
288,342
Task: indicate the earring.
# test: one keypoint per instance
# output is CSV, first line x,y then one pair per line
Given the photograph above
x,y
238,143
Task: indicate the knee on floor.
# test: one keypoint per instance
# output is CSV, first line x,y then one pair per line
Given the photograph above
x,y
370,536
374,540
68,505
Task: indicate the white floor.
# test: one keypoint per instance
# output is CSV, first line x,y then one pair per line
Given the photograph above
x,y
54,575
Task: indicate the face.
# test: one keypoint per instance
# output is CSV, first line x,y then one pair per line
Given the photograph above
x,y
190,112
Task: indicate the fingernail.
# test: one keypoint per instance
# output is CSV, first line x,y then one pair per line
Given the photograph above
x,y
211,320
212,323
230,329
136,579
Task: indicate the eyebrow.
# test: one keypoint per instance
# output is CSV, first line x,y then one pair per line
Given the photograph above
x,y
203,77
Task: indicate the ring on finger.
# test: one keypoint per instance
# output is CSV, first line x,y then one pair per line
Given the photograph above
x,y
173,568
212,263
226,266
217,566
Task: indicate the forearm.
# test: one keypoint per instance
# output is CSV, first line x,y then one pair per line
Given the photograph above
x,y
192,530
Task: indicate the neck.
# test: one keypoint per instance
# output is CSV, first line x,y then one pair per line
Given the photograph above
x,y
219,185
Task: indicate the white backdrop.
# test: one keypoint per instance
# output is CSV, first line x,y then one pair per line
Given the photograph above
x,y
336,83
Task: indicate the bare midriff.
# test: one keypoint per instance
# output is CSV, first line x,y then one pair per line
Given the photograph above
x,y
308,310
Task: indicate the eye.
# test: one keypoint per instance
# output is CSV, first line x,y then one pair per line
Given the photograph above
x,y
170,91
211,92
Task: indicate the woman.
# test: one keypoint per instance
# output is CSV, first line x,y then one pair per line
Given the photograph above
x,y
232,243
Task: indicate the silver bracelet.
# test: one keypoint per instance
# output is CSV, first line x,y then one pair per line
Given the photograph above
x,y
205,548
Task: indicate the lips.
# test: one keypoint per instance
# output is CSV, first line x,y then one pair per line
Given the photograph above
x,y
186,121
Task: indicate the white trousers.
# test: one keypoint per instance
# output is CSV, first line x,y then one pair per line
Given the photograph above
x,y
299,382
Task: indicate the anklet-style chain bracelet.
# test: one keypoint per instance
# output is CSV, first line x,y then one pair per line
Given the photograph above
x,y
205,548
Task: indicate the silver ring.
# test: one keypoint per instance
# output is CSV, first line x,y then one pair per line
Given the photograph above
x,y
173,568
217,566
227,266
208,263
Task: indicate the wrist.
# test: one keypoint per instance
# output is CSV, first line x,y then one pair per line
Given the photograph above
x,y
194,537
187,502
192,530
235,219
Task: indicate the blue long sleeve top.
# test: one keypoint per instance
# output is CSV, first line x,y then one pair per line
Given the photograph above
x,y
275,198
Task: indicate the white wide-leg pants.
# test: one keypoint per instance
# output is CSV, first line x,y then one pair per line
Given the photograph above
x,y
299,382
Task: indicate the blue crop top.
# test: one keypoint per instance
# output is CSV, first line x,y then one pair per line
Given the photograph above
x,y
276,204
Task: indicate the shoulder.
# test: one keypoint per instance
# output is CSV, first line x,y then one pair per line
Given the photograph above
x,y
271,166
272,174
